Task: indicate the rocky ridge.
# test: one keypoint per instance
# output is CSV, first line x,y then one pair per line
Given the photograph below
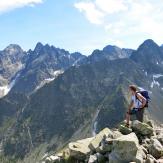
x,y
142,143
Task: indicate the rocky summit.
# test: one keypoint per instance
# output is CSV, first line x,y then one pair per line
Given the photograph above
x,y
141,143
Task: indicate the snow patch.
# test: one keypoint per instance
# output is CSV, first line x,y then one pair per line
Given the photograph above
x,y
154,82
146,73
157,76
55,75
4,90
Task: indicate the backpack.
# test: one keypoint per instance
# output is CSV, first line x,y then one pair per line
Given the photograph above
x,y
145,94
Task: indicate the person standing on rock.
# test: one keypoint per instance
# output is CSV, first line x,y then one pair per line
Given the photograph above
x,y
137,105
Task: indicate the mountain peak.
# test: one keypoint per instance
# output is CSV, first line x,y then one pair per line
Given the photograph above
x,y
110,48
38,47
13,48
149,42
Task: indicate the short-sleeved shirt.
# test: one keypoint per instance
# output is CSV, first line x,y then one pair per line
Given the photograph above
x,y
137,103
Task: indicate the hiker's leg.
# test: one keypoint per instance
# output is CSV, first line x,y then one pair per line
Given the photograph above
x,y
127,118
140,115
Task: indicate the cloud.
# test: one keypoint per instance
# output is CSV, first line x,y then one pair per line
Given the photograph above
x,y
123,19
7,5
90,11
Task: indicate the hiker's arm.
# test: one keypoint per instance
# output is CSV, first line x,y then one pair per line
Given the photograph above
x,y
140,97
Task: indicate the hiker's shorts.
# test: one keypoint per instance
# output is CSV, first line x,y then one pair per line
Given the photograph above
x,y
139,113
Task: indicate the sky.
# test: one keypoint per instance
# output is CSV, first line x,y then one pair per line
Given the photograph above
x,y
80,25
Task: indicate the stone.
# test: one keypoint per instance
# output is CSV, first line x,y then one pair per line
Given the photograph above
x,y
125,148
93,159
142,128
150,123
140,156
125,130
160,160
116,134
80,149
100,158
144,149
150,159
96,142
155,148
160,138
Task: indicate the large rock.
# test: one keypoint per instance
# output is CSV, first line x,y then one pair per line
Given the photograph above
x,y
106,146
125,130
80,149
142,128
95,143
93,159
125,149
155,148
116,134
150,159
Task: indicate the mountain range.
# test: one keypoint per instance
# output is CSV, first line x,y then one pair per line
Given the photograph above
x,y
54,96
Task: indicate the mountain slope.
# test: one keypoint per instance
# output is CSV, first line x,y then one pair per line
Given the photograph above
x,y
68,104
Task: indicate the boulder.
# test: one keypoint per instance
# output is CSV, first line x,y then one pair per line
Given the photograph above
x,y
96,142
160,137
125,149
140,156
93,159
150,159
80,149
142,128
155,148
105,146
125,130
116,134
100,158
160,160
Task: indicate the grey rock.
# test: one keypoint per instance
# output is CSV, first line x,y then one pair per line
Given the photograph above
x,y
125,148
80,149
150,159
142,128
155,148
95,143
93,159
125,130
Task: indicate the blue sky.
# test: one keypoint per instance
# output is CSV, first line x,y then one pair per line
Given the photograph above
x,y
80,25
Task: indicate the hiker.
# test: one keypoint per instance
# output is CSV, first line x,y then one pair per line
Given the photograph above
x,y
137,105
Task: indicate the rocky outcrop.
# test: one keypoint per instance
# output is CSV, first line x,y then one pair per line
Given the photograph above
x,y
80,149
142,128
115,146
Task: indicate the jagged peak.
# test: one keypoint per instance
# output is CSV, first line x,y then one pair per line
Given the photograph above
x,y
148,43
110,48
12,49
38,47
13,46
